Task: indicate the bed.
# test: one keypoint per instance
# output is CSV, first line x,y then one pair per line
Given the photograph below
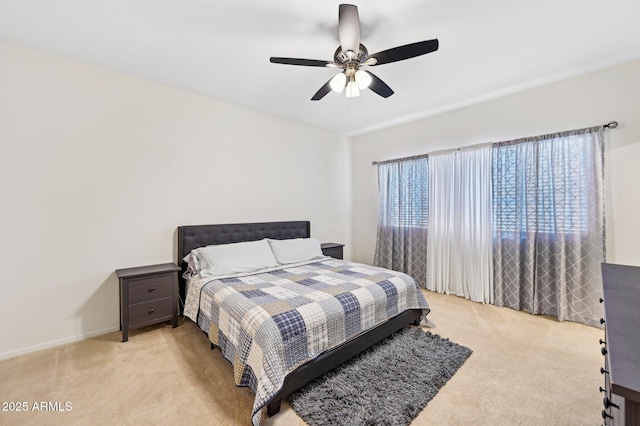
x,y
294,370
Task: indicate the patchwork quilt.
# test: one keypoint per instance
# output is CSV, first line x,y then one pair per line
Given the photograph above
x,y
271,322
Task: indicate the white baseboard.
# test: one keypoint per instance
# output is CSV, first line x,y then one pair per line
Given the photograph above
x,y
55,343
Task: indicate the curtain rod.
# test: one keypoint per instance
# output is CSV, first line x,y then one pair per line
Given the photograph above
x,y
609,125
413,157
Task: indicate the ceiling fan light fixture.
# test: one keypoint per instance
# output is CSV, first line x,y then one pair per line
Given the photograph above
x,y
363,79
352,90
338,82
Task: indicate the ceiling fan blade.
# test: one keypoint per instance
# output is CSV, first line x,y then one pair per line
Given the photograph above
x,y
322,92
303,62
349,27
379,86
407,51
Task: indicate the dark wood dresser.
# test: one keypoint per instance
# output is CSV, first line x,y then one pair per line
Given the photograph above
x,y
621,346
148,295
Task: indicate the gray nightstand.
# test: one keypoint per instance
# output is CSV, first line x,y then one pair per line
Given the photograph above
x,y
148,295
333,250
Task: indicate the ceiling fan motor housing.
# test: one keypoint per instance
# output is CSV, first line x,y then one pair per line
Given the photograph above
x,y
341,57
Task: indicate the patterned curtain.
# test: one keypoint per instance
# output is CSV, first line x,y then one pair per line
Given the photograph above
x,y
403,216
549,224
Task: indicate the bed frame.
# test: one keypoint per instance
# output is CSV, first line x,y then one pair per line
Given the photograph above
x,y
192,237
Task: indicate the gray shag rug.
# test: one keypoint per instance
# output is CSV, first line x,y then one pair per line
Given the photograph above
x,y
388,384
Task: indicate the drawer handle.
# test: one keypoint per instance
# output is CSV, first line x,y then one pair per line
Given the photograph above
x,y
151,289
605,415
607,403
603,350
152,310
602,321
602,390
603,371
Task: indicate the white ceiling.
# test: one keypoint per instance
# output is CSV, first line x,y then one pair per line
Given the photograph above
x,y
221,49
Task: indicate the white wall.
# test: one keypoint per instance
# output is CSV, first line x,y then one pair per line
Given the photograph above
x,y
98,169
589,100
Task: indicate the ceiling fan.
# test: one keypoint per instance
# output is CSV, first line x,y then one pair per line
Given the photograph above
x,y
351,56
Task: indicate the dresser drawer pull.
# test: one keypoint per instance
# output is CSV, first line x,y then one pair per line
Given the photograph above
x,y
605,415
602,390
603,371
603,342
607,403
151,289
152,310
603,350
602,321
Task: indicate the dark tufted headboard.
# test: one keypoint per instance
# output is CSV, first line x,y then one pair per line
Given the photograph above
x,y
194,236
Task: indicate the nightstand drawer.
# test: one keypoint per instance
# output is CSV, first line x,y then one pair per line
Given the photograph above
x,y
148,312
148,288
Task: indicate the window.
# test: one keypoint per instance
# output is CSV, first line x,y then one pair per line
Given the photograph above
x,y
543,185
407,187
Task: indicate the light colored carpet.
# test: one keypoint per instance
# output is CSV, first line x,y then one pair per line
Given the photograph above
x,y
525,370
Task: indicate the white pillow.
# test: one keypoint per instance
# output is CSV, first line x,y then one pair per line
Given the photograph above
x,y
192,267
226,259
295,250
